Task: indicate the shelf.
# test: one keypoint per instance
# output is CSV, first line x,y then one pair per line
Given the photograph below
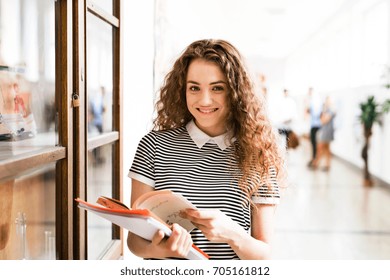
x,y
19,156
95,141
9,149
12,69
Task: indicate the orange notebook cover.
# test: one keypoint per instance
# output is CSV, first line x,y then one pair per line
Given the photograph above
x,y
141,222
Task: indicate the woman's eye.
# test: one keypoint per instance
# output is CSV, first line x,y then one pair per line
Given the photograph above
x,y
218,88
194,88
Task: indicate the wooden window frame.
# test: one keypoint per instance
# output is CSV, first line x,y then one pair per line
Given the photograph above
x,y
71,151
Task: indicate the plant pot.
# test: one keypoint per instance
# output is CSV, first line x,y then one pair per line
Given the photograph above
x,y
368,183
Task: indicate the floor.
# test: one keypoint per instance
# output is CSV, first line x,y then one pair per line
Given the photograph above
x,y
331,215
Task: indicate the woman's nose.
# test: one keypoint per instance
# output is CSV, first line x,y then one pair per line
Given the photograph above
x,y
206,98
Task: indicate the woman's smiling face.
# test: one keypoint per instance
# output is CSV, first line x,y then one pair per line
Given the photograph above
x,y
206,94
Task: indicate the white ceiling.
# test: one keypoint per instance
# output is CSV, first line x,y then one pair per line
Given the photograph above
x,y
267,28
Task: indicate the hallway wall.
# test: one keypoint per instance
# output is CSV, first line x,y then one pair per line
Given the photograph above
x,y
346,59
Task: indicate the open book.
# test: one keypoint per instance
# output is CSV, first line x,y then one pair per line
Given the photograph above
x,y
151,212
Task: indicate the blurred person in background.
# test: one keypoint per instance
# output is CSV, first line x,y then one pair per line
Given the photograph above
x,y
97,110
325,135
287,113
313,109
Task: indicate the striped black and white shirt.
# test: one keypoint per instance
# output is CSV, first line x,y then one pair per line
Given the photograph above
x,y
188,161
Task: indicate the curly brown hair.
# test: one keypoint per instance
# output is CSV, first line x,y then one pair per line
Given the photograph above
x,y
256,150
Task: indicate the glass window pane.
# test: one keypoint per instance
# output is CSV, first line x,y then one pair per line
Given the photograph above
x,y
27,67
105,5
99,183
27,216
100,75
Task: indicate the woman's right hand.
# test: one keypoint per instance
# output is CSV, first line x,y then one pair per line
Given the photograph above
x,y
177,245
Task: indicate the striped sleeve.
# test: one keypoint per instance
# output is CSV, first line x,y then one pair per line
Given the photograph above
x,y
142,168
268,193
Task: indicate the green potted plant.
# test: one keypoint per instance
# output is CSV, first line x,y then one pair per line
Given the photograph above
x,y
371,111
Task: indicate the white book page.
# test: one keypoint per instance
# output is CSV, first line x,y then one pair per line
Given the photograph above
x,y
167,205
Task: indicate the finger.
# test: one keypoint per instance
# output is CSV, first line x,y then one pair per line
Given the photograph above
x,y
200,214
187,246
184,243
196,224
173,240
158,237
200,222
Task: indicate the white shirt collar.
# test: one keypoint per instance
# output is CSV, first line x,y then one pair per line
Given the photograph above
x,y
200,138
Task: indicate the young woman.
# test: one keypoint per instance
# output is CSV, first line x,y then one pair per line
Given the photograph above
x,y
213,143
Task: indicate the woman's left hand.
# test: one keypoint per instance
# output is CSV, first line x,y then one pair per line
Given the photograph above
x,y
215,225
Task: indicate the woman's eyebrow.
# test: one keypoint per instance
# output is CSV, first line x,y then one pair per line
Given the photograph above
x,y
218,82
212,83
